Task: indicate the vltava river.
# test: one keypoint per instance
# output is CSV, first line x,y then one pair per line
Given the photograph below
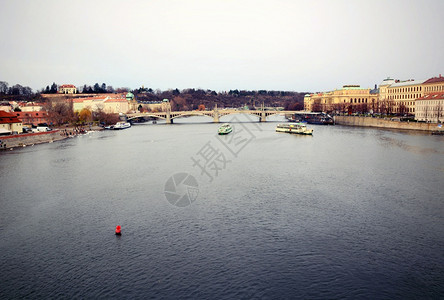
x,y
346,213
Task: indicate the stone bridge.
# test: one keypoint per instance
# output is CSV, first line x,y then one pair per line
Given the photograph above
x,y
169,116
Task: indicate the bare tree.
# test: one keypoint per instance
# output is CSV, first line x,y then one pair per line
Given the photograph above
x,y
390,107
60,112
316,107
426,112
402,109
439,113
3,87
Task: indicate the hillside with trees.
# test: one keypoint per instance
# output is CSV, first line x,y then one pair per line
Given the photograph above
x,y
186,99
191,99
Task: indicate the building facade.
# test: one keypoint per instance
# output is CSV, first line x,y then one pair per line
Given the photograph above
x,y
350,98
107,104
91,103
113,106
33,117
392,97
67,89
434,85
383,90
401,97
31,106
9,123
430,108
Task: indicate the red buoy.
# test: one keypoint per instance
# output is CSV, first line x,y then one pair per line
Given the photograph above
x,y
118,230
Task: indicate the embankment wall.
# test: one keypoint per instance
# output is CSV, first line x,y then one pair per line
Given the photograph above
x,y
384,123
20,140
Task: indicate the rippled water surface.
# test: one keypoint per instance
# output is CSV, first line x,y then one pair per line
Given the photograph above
x,y
346,213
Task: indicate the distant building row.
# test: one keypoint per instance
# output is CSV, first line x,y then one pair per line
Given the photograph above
x,y
420,98
33,113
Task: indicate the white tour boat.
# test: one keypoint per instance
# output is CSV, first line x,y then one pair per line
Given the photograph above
x,y
121,125
296,128
225,129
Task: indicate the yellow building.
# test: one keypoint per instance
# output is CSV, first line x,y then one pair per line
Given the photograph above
x,y
102,103
115,106
154,106
401,96
383,90
67,89
91,103
434,85
392,97
351,98
430,108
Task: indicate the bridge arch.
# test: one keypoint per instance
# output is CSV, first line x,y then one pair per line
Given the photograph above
x,y
191,114
223,115
169,116
145,115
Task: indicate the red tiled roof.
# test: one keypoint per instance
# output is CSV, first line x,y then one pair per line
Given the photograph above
x,y
116,100
433,96
67,86
435,80
8,118
30,104
31,114
80,100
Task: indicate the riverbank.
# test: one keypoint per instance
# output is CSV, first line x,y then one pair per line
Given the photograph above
x,y
10,142
76,130
385,123
27,139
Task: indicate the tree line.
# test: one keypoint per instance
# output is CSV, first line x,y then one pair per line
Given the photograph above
x,y
16,90
185,99
191,99
85,89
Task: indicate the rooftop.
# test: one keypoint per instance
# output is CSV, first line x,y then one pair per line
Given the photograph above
x,y
387,81
407,83
435,80
8,118
80,100
116,100
352,87
433,96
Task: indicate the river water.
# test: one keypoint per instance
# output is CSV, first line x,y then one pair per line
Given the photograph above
x,y
346,213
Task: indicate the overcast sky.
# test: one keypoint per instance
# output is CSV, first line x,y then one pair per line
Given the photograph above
x,y
304,46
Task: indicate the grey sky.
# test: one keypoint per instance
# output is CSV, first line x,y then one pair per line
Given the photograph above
x,y
312,45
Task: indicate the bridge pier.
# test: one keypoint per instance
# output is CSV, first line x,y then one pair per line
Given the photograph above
x,y
262,117
215,115
168,118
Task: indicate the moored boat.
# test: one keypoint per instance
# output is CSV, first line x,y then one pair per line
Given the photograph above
x,y
312,118
225,129
121,125
296,128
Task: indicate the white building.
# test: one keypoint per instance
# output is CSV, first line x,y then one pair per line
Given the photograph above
x,y
430,108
